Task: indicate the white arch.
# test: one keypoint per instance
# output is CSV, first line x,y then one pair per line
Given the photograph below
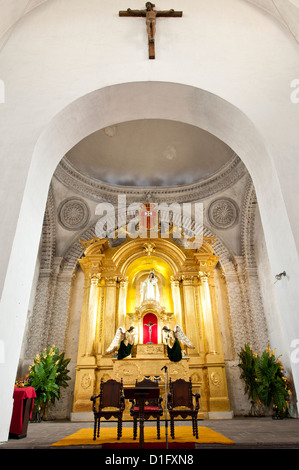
x,y
108,106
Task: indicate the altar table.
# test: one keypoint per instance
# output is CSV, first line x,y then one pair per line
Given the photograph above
x,y
141,394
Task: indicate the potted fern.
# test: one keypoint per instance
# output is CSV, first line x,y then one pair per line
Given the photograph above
x,y
265,381
273,386
247,364
47,375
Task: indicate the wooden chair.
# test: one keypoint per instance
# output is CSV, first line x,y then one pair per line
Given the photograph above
x,y
111,396
180,403
152,408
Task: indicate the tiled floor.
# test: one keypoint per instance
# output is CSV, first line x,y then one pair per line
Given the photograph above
x,y
247,433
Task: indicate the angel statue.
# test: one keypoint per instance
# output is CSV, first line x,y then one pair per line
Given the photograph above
x,y
173,339
123,340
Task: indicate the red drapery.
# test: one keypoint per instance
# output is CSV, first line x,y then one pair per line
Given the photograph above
x,y
20,394
150,317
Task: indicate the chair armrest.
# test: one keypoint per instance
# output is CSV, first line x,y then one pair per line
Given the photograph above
x,y
122,402
197,397
93,399
169,401
131,400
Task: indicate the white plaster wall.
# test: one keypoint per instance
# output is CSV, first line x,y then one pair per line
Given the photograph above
x,y
285,11
268,284
82,56
11,12
61,51
278,338
23,365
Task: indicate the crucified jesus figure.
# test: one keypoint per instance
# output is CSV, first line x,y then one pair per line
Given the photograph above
x,y
150,327
151,21
150,14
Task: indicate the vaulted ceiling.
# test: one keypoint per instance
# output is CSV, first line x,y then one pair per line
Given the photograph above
x,y
163,160
150,152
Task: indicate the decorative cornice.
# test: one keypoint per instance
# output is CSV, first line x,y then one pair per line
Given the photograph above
x,y
97,190
248,225
48,234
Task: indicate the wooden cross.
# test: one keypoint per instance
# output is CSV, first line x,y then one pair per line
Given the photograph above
x,y
150,14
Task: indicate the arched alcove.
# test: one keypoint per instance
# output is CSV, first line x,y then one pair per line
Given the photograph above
x,y
57,95
186,104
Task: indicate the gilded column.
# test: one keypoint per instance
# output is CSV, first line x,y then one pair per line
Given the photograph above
x,y
122,301
207,313
218,400
86,365
84,318
92,265
215,316
176,297
191,323
201,337
109,319
92,315
99,326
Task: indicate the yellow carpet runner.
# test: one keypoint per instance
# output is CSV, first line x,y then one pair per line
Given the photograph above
x,y
183,434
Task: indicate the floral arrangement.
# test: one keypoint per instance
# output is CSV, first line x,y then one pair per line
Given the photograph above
x,y
265,380
22,381
47,374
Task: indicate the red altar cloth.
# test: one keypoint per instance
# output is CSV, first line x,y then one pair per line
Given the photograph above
x,y
20,394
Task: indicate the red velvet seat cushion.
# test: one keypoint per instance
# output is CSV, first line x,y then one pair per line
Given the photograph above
x,y
148,408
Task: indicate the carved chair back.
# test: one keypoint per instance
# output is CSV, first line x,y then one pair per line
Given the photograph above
x,y
181,393
110,394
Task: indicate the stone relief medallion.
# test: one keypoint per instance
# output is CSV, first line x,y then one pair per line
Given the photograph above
x,y
86,381
73,214
128,372
195,378
178,371
223,213
215,379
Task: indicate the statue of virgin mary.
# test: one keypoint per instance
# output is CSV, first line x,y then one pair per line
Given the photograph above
x,y
149,288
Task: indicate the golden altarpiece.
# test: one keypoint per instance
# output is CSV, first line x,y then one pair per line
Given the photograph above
x,y
187,297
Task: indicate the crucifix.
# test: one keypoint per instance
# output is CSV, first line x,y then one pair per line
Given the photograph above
x,y
150,14
150,327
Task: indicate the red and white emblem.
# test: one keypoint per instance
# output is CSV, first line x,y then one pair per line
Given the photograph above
x,y
148,217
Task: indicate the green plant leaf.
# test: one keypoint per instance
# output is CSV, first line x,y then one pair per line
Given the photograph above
x,y
264,380
47,375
